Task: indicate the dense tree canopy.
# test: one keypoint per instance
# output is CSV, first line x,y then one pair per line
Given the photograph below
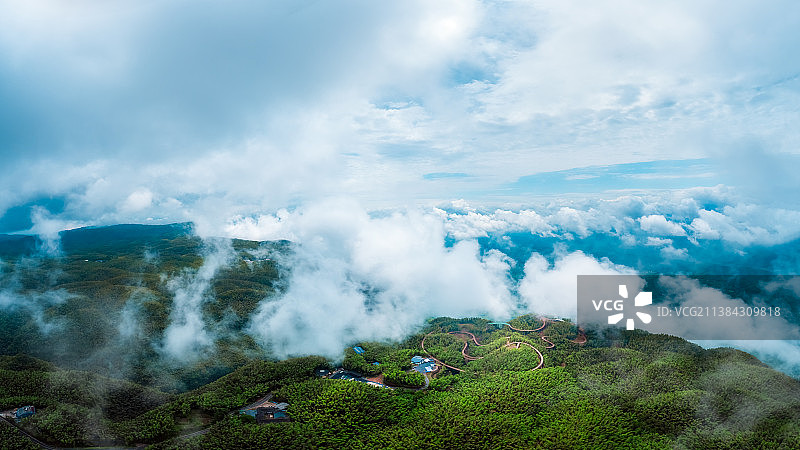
x,y
595,389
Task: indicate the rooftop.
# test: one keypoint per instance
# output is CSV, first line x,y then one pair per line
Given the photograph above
x,y
426,367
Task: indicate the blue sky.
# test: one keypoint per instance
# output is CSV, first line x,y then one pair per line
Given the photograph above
x,y
170,111
387,137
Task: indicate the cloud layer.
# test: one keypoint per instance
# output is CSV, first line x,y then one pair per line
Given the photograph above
x,y
580,138
355,277
187,334
201,110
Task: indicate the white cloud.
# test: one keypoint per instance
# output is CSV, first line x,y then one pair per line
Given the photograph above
x,y
641,219
783,355
47,228
689,293
15,297
659,225
138,200
527,220
657,242
748,224
358,277
703,230
187,336
552,289
286,103
670,252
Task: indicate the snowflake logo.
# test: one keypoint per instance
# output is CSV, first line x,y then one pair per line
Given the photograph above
x,y
641,299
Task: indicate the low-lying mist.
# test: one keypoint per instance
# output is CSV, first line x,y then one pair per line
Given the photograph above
x,y
185,303
355,275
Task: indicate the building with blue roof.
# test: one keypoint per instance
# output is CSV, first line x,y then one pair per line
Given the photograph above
x,y
424,365
358,350
25,411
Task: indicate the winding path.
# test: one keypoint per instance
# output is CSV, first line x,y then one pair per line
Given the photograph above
x,y
467,357
550,344
474,339
581,338
541,356
466,344
544,324
257,403
201,432
422,344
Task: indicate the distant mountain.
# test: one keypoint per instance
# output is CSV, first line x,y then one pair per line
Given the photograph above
x,y
104,301
14,245
120,237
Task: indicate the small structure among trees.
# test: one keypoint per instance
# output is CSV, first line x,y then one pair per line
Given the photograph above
x,y
271,414
424,365
25,411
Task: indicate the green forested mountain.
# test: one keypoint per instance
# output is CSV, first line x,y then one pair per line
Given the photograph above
x,y
628,390
97,377
100,303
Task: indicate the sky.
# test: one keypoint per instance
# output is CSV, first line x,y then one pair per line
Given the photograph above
x,y
388,138
206,111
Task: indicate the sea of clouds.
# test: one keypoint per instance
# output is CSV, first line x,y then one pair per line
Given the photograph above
x,y
363,120
359,275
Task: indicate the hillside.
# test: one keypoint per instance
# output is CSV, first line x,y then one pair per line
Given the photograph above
x,y
86,342
631,390
108,291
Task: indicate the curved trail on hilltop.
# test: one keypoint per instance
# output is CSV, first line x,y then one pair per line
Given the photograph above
x,y
541,356
466,344
513,328
581,338
550,344
474,339
422,344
